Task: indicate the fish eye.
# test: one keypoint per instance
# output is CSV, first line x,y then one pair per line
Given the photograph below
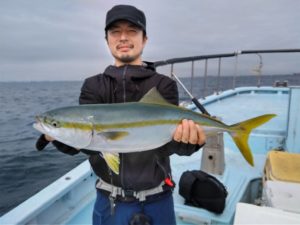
x,y
55,124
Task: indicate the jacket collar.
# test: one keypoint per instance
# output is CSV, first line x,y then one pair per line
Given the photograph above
x,y
132,71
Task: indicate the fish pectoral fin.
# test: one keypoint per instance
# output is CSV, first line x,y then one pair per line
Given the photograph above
x,y
112,160
113,135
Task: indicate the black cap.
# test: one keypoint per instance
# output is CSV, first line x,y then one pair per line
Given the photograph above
x,y
126,12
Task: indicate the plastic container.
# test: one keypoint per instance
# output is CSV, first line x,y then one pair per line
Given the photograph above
x,y
282,195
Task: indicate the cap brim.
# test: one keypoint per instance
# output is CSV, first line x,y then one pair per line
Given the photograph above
x,y
131,20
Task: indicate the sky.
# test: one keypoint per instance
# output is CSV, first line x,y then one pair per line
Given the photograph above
x,y
64,39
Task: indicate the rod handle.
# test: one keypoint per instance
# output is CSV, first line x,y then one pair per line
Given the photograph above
x,y
200,106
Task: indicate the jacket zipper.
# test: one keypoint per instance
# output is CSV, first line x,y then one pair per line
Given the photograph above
x,y
124,100
124,83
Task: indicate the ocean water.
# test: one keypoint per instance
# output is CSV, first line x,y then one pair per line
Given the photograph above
x,y
23,170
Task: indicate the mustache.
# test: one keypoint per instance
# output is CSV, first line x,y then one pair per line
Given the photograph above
x,y
125,45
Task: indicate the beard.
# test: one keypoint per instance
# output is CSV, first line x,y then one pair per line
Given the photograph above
x,y
126,58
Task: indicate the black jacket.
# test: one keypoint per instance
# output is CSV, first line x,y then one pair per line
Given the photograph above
x,y
138,170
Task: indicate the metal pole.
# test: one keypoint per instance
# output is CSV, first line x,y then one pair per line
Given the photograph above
x,y
219,76
205,77
192,78
235,71
259,70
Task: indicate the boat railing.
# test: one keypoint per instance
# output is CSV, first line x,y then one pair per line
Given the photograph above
x,y
211,82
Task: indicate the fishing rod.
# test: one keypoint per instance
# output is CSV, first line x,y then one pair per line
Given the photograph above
x,y
194,100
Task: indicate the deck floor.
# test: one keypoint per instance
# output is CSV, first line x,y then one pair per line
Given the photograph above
x,y
245,105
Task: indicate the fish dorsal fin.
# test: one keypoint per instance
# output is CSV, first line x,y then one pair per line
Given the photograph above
x,y
154,97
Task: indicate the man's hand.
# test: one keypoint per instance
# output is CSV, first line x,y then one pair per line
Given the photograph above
x,y
189,132
43,141
48,138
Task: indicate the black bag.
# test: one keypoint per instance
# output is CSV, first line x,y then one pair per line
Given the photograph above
x,y
202,190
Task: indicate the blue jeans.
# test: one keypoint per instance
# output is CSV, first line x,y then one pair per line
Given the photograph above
x,y
159,208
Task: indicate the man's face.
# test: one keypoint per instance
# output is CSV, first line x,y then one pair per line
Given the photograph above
x,y
126,43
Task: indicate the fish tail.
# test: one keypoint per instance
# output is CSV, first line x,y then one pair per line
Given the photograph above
x,y
240,134
112,160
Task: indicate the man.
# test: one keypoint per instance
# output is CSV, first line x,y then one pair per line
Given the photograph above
x,y
142,192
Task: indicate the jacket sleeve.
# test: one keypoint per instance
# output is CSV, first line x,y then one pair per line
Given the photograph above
x,y
89,92
179,148
169,91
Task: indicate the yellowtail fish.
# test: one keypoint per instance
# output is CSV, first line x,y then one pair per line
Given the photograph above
x,y
134,127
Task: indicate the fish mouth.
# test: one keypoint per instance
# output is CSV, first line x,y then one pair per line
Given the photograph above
x,y
38,125
38,119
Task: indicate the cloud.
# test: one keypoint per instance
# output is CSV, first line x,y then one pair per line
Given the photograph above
x,y
36,33
68,35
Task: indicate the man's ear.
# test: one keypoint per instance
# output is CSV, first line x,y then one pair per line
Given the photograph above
x,y
145,39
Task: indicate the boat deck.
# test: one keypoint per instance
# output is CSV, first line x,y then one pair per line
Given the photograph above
x,y
232,106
